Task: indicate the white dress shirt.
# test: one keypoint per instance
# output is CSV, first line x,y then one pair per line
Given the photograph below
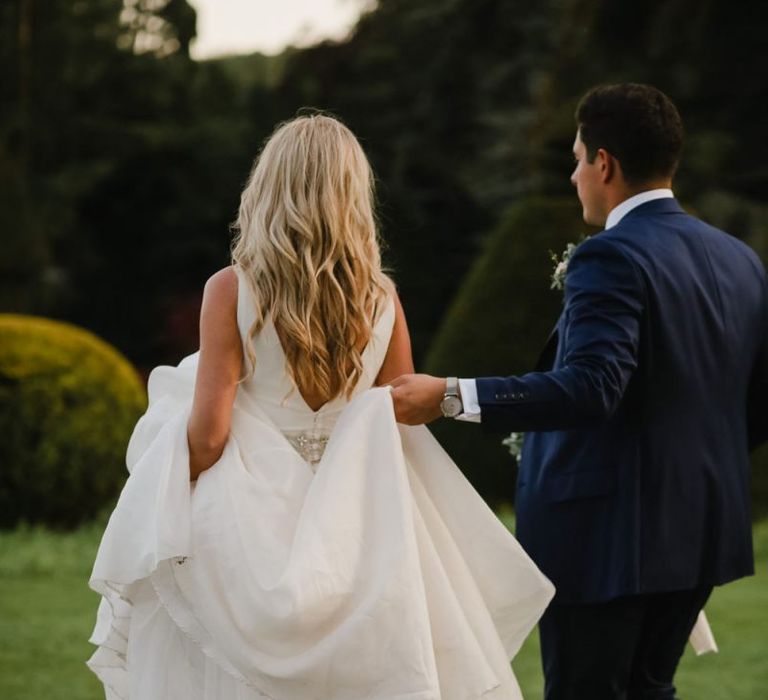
x,y
468,387
621,210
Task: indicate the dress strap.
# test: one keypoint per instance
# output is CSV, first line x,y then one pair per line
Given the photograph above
x,y
245,310
378,345
246,314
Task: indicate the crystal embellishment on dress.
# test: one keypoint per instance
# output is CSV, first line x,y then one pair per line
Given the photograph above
x,y
310,447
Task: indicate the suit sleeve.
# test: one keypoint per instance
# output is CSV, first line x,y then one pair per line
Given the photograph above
x,y
604,301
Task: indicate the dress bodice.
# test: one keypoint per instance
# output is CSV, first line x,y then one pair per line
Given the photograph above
x,y
271,387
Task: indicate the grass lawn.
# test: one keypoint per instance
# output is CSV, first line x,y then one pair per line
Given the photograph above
x,y
47,613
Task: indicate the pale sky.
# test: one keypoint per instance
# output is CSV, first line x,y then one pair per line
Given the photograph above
x,y
244,26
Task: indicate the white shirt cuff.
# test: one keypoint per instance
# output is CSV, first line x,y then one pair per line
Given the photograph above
x,y
468,391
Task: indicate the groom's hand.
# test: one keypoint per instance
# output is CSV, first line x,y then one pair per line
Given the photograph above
x,y
417,398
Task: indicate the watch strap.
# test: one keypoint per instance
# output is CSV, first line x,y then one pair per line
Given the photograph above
x,y
452,387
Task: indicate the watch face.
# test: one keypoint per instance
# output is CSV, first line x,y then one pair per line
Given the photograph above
x,y
451,406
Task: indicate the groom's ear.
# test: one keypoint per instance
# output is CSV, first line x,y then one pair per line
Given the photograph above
x,y
608,166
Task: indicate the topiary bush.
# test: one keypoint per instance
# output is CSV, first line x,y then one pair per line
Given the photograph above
x,y
68,404
499,321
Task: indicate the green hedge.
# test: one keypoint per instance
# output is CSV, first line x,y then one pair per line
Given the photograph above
x,y
68,403
497,324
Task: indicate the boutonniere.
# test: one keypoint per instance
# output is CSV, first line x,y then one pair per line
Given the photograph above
x,y
561,264
514,443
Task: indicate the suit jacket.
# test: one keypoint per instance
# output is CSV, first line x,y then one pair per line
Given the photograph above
x,y
634,475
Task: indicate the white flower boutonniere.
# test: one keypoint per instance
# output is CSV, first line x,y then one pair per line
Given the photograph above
x,y
561,264
515,445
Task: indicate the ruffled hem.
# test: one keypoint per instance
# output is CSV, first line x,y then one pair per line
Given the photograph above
x,y
109,661
167,590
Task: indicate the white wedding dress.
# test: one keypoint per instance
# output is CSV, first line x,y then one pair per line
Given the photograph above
x,y
366,568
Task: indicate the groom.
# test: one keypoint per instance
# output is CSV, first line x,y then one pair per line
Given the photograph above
x,y
633,490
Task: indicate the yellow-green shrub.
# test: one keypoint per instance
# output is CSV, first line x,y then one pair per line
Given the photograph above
x,y
68,403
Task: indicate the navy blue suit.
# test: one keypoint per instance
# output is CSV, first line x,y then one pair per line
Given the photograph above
x,y
634,476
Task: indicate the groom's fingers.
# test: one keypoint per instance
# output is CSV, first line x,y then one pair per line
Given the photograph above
x,y
412,399
416,398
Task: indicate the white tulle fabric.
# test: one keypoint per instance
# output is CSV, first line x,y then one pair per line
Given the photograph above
x,y
380,575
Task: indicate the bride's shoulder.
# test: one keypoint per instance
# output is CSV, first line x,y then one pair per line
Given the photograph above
x,y
223,282
220,290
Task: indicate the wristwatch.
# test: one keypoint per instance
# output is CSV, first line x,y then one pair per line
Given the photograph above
x,y
451,405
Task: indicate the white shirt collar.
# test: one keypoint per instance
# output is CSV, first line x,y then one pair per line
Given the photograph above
x,y
621,210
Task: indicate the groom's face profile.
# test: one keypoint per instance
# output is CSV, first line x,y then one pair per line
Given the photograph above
x,y
589,181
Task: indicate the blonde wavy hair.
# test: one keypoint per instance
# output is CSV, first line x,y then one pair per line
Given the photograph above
x,y
307,243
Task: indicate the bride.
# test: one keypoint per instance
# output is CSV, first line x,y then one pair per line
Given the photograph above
x,y
279,535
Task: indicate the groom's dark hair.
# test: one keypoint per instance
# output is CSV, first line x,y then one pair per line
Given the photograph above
x,y
636,124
